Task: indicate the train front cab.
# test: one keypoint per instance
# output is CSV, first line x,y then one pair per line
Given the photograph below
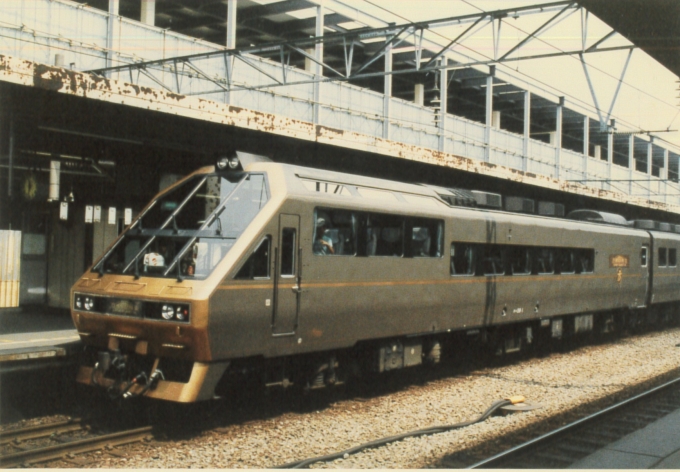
x,y
142,310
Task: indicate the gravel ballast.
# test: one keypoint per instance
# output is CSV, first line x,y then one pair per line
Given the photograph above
x,y
559,382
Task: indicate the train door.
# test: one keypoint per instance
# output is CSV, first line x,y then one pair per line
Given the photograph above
x,y
646,264
287,290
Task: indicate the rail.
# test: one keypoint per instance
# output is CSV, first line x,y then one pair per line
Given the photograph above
x,y
570,443
67,448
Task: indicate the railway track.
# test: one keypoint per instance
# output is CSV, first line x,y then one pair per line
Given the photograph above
x,y
61,440
569,444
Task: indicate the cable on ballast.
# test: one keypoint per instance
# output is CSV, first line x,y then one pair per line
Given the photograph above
x,y
421,432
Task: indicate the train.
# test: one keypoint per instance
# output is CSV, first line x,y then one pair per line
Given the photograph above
x,y
301,276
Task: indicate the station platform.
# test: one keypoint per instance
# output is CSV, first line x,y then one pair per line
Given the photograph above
x,y
35,337
657,446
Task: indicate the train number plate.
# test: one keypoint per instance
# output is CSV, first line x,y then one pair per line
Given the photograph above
x,y
119,306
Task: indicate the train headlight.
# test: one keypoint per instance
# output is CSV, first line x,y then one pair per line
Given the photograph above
x,y
182,313
233,163
228,163
88,303
78,302
167,312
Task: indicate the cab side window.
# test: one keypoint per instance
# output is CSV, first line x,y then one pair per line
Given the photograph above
x,y
257,265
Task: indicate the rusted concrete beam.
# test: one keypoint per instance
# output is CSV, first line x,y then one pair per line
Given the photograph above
x,y
56,79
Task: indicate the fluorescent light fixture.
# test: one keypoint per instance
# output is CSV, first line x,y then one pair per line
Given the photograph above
x,y
380,39
302,14
350,25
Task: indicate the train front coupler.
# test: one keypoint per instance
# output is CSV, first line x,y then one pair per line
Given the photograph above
x,y
114,365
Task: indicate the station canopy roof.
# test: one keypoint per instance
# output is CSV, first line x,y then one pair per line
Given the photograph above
x,y
652,25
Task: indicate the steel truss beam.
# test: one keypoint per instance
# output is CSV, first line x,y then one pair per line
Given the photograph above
x,y
393,35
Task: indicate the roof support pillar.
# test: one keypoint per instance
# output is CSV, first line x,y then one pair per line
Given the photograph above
x,y
114,8
231,44
443,96
649,165
610,153
559,111
419,94
664,175
488,113
586,145
148,12
387,92
10,155
231,24
318,55
527,130
631,162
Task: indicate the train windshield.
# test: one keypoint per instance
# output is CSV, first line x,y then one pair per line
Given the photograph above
x,y
188,230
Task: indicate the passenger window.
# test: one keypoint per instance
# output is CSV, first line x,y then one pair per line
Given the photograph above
x,y
257,265
545,261
586,261
463,259
492,260
643,257
566,262
385,235
672,257
288,245
519,259
334,233
663,262
426,238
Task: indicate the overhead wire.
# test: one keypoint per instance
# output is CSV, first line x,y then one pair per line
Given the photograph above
x,y
576,99
573,58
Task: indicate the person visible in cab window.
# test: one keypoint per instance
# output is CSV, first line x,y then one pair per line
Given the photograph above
x,y
323,244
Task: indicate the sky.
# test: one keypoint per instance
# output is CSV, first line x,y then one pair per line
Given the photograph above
x,y
648,97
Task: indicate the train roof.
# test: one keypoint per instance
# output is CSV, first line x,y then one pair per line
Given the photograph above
x,y
338,188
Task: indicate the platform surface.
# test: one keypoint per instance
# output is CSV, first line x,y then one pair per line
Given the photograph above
x,y
35,333
657,446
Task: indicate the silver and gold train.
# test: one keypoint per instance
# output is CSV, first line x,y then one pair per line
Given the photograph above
x,y
299,275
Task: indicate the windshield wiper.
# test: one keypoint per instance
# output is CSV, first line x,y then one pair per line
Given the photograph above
x,y
166,223
215,214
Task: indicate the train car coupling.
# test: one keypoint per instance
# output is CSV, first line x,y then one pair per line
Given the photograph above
x,y
114,364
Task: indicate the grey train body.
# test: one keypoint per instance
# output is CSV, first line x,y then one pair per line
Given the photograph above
x,y
337,269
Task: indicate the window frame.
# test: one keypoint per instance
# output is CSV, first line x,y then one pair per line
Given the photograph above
x,y
354,225
293,261
664,251
509,256
268,240
473,247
